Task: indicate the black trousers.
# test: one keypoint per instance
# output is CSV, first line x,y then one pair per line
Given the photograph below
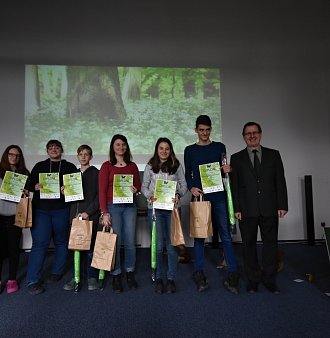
x,y
266,272
10,237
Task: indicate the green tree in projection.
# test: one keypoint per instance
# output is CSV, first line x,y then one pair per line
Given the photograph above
x,y
75,103
160,83
180,83
94,90
189,82
151,79
132,84
52,80
211,83
32,103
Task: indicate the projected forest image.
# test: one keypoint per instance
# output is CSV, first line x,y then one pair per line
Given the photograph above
x,y
80,104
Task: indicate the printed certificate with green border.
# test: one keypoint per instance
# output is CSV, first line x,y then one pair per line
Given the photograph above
x,y
164,192
122,189
12,186
211,177
73,190
50,183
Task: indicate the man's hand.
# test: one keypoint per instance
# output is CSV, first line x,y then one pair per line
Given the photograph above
x,y
281,213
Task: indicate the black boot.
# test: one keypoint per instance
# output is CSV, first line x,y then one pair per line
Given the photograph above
x,y
200,280
117,286
231,282
131,282
159,286
183,255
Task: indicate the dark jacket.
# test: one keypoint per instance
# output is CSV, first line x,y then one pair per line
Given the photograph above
x,y
90,203
47,166
258,197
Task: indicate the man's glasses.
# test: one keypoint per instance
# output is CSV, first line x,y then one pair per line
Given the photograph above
x,y
253,133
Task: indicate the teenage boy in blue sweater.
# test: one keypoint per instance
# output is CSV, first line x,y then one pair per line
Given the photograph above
x,y
203,152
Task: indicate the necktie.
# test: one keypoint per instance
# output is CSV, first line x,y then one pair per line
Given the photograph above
x,y
256,162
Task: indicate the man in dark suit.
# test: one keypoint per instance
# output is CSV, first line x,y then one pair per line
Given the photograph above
x,y
260,198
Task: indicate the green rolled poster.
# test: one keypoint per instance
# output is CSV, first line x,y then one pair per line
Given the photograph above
x,y
230,206
77,266
102,272
101,275
153,241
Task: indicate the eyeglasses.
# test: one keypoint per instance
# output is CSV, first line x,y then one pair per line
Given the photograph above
x,y
253,133
14,155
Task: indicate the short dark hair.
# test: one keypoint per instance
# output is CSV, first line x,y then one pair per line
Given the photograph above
x,y
56,143
250,124
127,155
85,147
203,119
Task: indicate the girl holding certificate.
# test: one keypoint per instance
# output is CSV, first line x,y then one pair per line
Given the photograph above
x,y
119,179
10,235
164,165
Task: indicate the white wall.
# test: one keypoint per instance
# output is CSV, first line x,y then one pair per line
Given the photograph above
x,y
291,108
273,57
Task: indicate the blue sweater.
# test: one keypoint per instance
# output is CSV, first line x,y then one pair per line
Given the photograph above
x,y
195,155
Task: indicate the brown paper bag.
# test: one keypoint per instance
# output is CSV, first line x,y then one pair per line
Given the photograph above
x,y
176,229
104,250
23,217
80,234
200,219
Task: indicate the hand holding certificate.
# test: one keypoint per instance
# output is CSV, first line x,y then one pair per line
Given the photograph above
x,y
73,190
122,189
164,194
211,177
50,185
12,186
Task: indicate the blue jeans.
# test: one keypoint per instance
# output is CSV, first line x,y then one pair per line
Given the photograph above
x,y
124,224
163,227
220,213
48,224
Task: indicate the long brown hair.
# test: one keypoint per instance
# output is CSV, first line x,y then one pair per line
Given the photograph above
x,y
112,155
5,166
172,163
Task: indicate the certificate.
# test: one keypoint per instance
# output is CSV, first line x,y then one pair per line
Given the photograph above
x,y
211,177
164,192
73,190
50,183
12,186
122,189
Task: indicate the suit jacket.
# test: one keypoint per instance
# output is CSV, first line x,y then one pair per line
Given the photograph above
x,y
258,197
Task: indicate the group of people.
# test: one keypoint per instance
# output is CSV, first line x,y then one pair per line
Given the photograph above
x,y
259,197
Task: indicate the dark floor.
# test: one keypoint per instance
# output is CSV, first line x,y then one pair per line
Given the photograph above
x,y
300,310
309,263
